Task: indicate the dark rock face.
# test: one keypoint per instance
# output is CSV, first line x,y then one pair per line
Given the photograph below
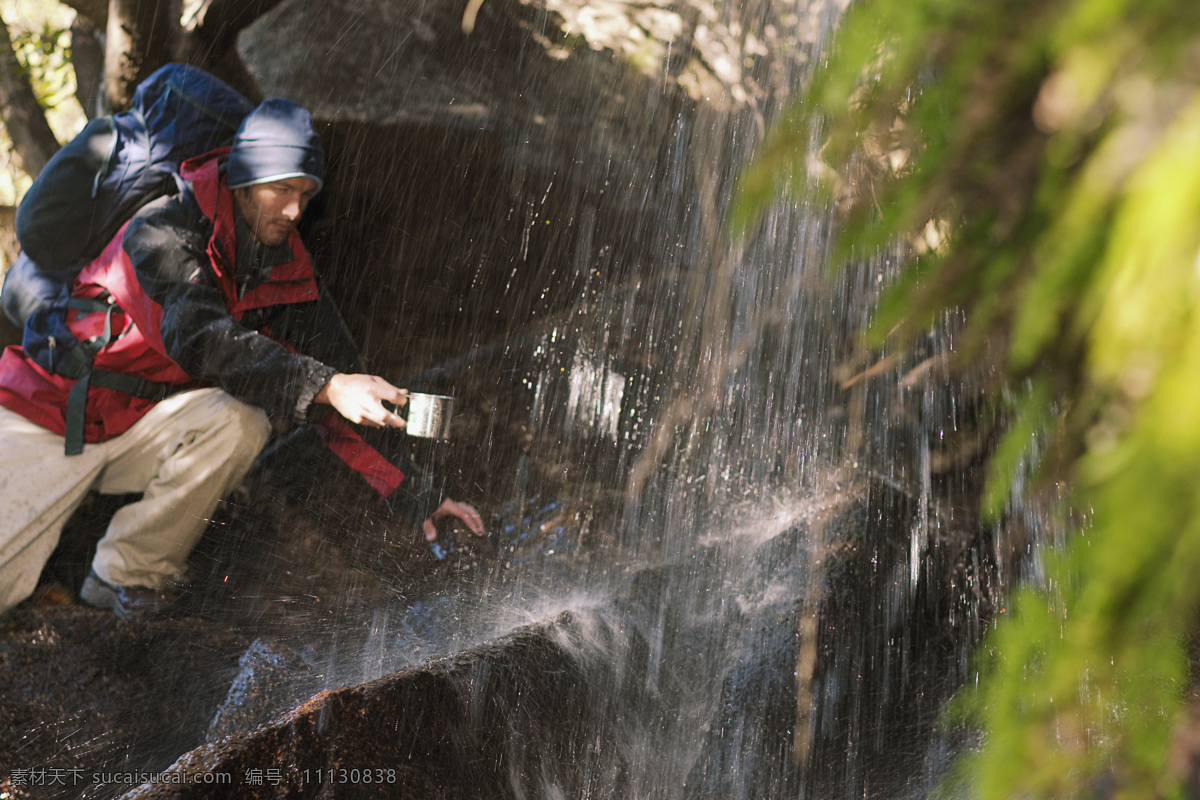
x,y
905,599
749,749
475,182
549,103
506,720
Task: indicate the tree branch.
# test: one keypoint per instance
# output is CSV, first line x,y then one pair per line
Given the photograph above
x,y
141,37
24,119
87,57
96,11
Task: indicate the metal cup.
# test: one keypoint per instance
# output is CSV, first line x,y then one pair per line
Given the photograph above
x,y
429,415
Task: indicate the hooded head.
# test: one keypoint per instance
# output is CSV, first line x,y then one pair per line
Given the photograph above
x,y
275,142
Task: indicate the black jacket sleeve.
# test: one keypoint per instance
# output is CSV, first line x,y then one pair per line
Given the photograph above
x,y
166,242
314,328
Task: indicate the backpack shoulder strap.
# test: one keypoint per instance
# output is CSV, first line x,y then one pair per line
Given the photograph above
x,y
78,365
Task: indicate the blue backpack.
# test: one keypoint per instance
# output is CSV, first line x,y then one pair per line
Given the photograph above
x,y
117,164
87,191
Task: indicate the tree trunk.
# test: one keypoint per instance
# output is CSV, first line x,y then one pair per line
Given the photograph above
x,y
24,118
9,249
141,37
96,11
87,57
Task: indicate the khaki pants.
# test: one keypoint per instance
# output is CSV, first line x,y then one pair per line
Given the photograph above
x,y
183,455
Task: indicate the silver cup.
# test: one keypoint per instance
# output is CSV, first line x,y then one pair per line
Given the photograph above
x,y
429,415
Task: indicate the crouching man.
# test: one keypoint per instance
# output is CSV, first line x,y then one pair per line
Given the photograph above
x,y
207,321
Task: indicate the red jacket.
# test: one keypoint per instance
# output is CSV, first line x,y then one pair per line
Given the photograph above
x,y
187,318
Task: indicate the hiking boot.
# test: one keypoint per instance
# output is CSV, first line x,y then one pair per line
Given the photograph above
x,y
127,602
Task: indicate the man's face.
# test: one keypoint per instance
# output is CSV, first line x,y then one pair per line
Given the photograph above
x,y
273,209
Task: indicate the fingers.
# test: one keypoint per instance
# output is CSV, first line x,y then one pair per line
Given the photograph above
x,y
360,399
463,511
398,398
374,415
375,392
451,508
392,419
473,521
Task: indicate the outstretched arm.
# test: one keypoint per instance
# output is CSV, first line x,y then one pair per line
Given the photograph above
x,y
360,398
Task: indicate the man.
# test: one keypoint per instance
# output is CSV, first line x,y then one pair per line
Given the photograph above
x,y
212,323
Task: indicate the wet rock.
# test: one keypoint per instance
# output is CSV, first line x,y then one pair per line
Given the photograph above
x,y
507,720
260,691
872,633
694,662
905,597
748,749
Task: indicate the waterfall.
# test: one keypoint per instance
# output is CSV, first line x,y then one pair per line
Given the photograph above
x,y
767,546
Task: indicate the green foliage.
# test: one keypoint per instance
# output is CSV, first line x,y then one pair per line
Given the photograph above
x,y
1043,157
40,33
45,55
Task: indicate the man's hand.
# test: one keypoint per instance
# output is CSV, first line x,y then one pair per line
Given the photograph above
x,y
452,508
359,398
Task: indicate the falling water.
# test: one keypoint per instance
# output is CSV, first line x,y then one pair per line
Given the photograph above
x,y
769,553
